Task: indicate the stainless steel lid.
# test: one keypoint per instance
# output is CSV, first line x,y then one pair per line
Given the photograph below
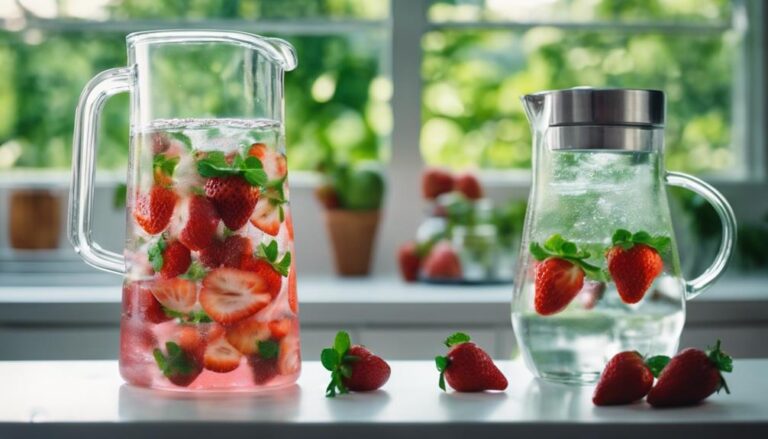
x,y
585,118
604,106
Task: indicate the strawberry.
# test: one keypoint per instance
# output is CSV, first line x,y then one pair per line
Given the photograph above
x,y
174,294
139,303
467,367
170,259
327,196
268,215
234,199
235,251
262,369
293,296
625,379
229,295
200,229
268,267
560,274
442,262
213,255
179,365
153,210
245,335
634,262
410,261
280,328
468,185
289,356
220,356
352,367
274,163
690,377
160,142
267,272
435,182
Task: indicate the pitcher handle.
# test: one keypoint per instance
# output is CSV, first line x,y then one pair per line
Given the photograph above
x,y
696,286
103,86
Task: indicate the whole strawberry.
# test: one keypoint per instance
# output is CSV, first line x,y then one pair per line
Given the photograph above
x,y
690,377
169,258
468,185
634,262
409,259
200,229
559,274
625,379
234,199
154,209
352,367
435,182
468,368
442,262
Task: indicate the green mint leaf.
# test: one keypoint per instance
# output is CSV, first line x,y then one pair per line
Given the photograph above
x,y
554,243
255,177
641,237
268,349
621,235
281,213
342,343
569,249
252,162
155,254
441,363
195,272
238,162
173,313
329,358
538,252
284,265
181,137
162,364
661,243
657,363
270,251
199,316
456,338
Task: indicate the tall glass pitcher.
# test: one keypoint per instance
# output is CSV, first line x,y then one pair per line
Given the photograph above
x,y
598,271
209,298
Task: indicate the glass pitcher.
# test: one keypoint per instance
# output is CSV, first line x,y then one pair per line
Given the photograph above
x,y
209,294
598,271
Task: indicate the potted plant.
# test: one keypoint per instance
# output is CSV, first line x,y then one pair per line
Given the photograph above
x,y
352,196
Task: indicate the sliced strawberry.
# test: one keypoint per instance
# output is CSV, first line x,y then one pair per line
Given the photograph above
x,y
175,294
229,295
289,356
139,303
153,210
234,199
266,271
202,221
220,356
266,216
274,163
235,251
245,335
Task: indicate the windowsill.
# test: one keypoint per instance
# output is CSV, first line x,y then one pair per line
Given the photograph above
x,y
329,301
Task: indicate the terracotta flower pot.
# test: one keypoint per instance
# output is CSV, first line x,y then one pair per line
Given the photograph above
x,y
34,219
352,236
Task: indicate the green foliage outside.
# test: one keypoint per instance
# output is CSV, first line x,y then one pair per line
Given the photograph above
x,y
474,79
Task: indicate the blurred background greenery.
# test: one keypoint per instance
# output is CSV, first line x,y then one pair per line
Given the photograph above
x,y
473,75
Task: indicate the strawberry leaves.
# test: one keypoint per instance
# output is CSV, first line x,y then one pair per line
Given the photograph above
x,y
657,363
216,164
269,252
176,362
626,240
723,362
337,360
442,362
557,247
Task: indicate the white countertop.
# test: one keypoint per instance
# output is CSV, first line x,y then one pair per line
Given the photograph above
x,y
88,399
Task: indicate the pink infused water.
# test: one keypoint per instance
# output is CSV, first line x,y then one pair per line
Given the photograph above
x,y
209,301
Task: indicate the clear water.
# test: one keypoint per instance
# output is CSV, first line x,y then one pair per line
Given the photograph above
x,y
585,197
189,140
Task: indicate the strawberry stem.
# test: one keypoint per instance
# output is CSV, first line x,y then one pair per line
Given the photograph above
x,y
723,362
626,240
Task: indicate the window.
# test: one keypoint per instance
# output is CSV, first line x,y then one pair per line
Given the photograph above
x,y
340,44
481,56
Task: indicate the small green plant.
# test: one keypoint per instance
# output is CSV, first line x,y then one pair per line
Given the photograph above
x,y
352,187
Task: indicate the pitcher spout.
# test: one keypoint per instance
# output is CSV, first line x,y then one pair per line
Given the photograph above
x,y
534,108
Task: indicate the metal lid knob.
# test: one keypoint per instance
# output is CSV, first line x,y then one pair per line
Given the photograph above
x,y
601,106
